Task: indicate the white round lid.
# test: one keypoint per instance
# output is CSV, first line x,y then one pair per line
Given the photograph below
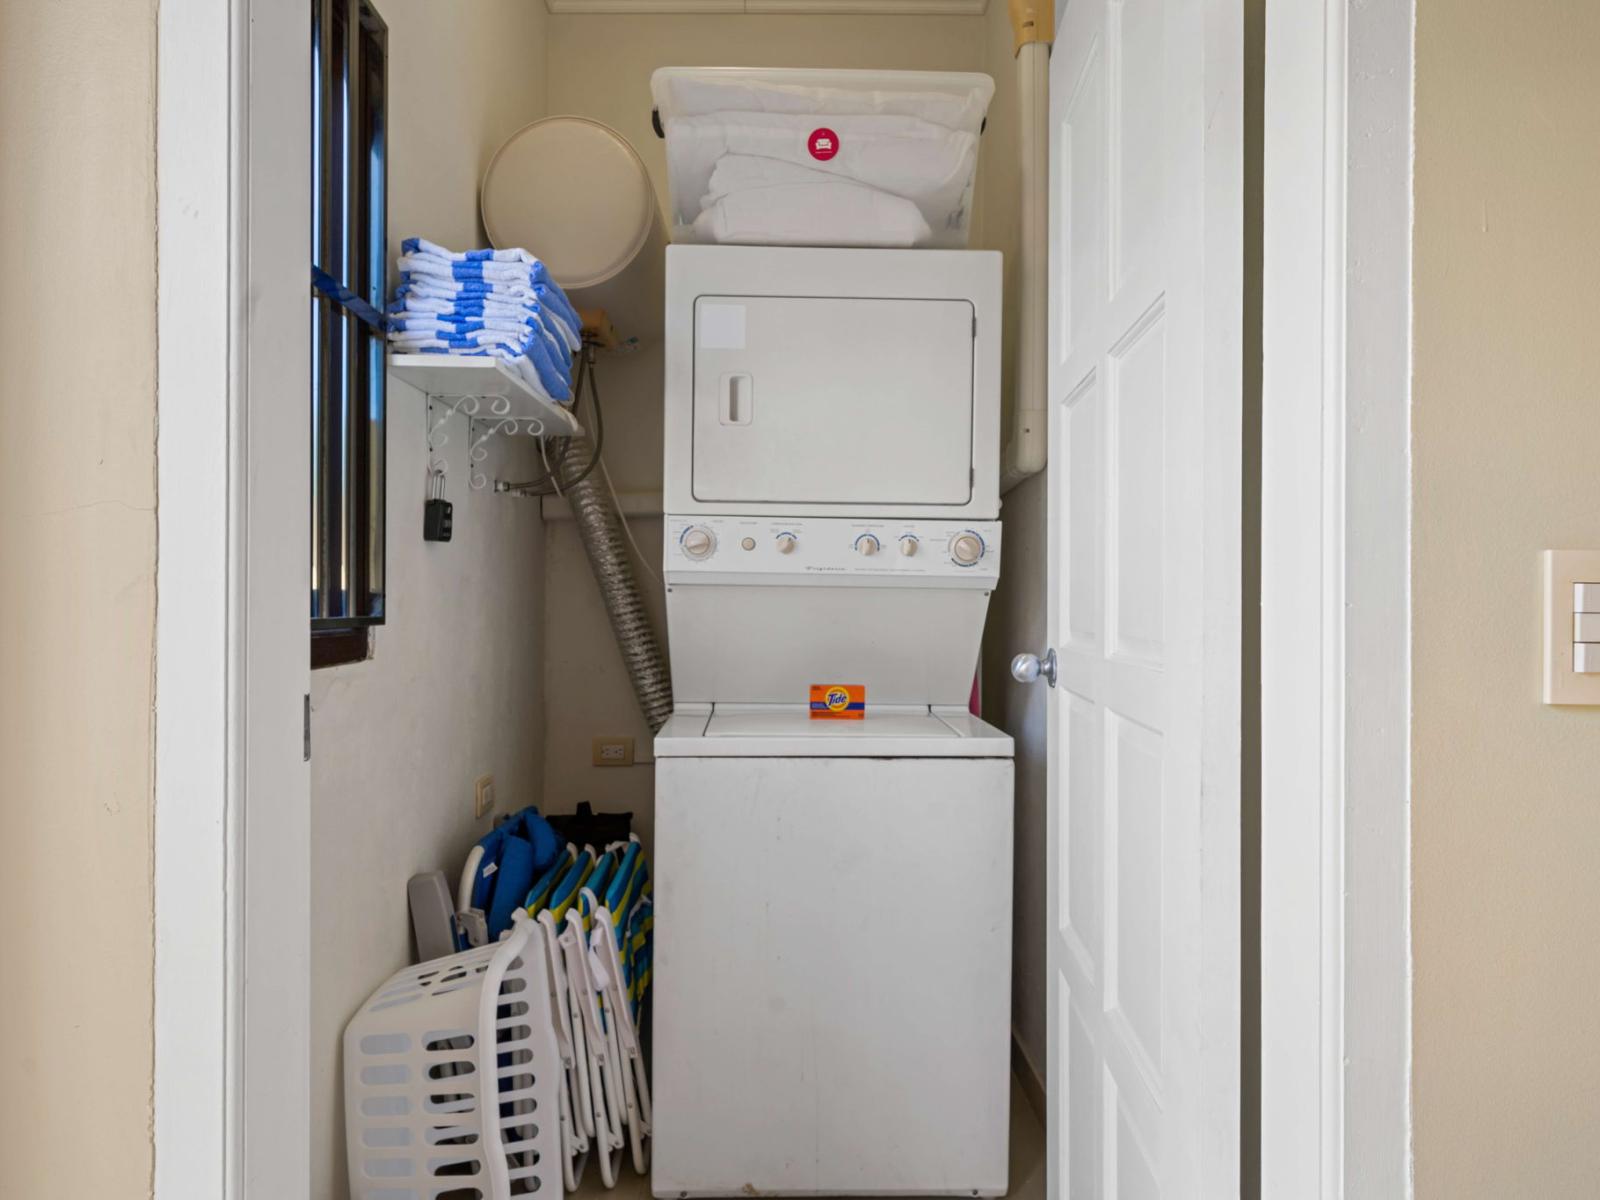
x,y
573,192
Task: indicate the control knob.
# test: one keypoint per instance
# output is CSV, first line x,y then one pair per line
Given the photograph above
x,y
698,542
966,548
786,543
866,544
908,545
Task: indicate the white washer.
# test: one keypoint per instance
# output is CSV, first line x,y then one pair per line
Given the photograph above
x,y
832,955
833,896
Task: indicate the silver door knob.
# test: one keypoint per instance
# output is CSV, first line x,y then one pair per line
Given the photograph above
x,y
1028,668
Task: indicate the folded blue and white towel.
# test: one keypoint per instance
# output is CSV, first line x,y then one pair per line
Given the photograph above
x,y
417,245
548,299
514,266
411,299
425,281
436,322
493,303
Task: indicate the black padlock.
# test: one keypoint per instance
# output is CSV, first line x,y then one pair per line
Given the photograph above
x,y
436,521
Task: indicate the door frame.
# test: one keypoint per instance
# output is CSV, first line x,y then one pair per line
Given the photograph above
x,y
232,849
232,972
1335,622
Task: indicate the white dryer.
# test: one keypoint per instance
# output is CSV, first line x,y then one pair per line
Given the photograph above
x,y
833,904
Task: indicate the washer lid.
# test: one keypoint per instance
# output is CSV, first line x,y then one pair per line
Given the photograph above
x,y
573,192
786,731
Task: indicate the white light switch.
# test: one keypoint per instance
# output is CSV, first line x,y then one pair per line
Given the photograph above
x,y
1572,627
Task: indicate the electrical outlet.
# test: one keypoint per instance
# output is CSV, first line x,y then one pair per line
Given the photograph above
x,y
613,752
483,795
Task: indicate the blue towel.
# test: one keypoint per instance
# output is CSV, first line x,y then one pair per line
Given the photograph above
x,y
499,304
479,266
421,295
487,276
511,264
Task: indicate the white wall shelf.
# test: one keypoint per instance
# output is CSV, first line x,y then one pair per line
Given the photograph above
x,y
486,390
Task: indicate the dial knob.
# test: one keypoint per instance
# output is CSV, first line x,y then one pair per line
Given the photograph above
x,y
908,546
966,548
866,544
699,543
786,543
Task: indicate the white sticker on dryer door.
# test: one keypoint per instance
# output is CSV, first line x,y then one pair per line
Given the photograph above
x,y
722,327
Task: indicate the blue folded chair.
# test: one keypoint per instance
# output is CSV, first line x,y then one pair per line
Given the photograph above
x,y
504,865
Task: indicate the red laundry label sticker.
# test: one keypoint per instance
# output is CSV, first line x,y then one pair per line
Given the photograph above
x,y
823,144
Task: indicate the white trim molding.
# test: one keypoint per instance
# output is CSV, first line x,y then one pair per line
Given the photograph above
x,y
1335,923
196,69
232,817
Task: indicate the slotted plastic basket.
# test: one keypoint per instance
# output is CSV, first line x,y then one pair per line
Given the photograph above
x,y
451,1075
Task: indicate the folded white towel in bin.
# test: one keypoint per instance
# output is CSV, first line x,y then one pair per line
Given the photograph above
x,y
758,201
930,165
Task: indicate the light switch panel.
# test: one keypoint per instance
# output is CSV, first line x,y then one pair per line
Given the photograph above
x,y
1571,657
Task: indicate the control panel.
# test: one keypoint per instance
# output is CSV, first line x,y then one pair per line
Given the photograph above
x,y
821,547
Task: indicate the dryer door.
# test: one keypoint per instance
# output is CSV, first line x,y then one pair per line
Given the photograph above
x,y
828,400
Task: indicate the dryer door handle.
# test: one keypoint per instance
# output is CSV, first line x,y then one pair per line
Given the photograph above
x,y
738,398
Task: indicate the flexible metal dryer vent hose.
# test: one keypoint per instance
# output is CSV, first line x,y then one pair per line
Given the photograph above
x,y
600,527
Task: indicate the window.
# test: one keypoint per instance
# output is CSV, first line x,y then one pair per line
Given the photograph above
x,y
349,283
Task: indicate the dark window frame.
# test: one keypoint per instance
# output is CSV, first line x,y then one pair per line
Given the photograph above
x,y
349,285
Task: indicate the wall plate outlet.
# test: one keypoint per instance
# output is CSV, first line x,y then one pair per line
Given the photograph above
x,y
613,752
1568,674
483,795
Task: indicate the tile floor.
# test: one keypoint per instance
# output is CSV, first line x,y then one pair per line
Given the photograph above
x,y
1027,1161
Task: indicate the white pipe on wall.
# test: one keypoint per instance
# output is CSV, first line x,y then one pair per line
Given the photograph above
x,y
1034,30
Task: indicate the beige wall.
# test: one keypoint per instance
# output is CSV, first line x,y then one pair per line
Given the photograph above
x,y
77,594
455,686
599,66
1506,455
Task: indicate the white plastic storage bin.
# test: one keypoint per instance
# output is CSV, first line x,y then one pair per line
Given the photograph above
x,y
821,158
451,1075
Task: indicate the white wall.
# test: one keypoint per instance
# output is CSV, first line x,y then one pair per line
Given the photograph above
x,y
77,595
599,67
455,685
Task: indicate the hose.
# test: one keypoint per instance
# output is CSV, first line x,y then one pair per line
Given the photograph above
x,y
600,528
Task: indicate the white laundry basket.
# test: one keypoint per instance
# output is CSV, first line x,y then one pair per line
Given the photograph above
x,y
451,1075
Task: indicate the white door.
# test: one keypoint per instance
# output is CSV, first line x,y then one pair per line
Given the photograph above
x,y
1144,379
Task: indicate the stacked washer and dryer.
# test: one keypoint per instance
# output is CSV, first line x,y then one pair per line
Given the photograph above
x,y
833,921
